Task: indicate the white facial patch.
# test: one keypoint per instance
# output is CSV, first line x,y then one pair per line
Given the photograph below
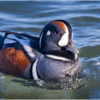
x,y
64,39
34,70
48,33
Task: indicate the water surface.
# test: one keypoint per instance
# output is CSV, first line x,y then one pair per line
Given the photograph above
x,y
30,17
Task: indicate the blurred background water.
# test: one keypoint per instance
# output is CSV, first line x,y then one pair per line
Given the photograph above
x,y
30,17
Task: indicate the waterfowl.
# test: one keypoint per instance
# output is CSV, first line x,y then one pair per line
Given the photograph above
x,y
52,55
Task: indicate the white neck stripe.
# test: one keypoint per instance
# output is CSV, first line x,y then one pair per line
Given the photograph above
x,y
57,57
34,71
40,40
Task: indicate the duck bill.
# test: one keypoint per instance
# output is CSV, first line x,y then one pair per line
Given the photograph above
x,y
72,48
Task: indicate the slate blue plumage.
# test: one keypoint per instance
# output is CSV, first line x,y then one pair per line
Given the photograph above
x,y
51,55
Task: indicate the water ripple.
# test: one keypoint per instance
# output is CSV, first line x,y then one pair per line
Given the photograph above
x,y
30,17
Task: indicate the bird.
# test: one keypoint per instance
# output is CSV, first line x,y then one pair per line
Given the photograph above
x,y
51,55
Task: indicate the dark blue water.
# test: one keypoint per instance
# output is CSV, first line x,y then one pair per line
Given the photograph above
x,y
30,17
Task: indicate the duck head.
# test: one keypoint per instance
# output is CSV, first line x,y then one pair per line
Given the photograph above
x,y
56,37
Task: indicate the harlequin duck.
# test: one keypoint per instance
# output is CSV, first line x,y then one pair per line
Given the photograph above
x,y
52,55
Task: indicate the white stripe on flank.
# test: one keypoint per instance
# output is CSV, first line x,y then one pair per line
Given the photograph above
x,y
34,71
64,39
29,51
40,40
57,57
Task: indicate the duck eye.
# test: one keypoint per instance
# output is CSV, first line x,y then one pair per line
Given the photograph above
x,y
48,33
59,34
